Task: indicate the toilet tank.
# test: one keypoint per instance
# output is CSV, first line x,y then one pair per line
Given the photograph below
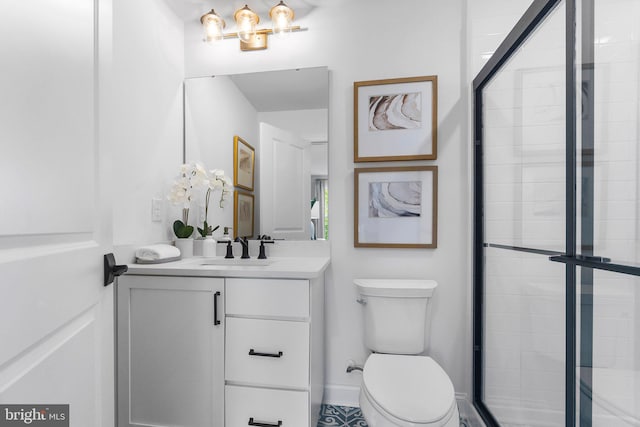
x,y
395,314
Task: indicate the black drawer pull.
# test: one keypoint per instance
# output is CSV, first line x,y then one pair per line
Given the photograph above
x,y
252,352
261,424
215,308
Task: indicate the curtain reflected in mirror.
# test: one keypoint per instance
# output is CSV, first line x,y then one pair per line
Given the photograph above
x,y
320,209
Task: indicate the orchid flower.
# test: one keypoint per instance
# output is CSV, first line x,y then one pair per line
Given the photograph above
x,y
216,180
190,176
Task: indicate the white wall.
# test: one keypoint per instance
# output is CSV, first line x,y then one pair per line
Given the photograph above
x,y
434,46
145,123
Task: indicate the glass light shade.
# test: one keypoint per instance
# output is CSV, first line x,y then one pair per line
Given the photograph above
x,y
212,25
281,18
246,20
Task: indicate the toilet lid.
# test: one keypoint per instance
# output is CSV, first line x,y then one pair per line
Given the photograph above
x,y
411,388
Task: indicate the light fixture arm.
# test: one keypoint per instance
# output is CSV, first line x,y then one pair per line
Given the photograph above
x,y
259,40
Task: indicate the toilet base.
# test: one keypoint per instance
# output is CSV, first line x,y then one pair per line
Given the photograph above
x,y
374,418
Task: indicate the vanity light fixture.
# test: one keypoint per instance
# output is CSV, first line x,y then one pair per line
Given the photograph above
x,y
281,19
247,21
251,37
212,24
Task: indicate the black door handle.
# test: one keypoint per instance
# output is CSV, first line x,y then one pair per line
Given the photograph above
x,y
215,308
111,270
261,424
252,352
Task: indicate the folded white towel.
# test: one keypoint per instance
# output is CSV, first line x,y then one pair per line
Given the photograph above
x,y
157,252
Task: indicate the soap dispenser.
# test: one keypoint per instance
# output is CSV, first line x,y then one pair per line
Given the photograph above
x,y
226,236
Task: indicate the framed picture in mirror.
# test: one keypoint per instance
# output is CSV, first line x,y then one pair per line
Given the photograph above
x,y
395,119
396,207
243,209
244,157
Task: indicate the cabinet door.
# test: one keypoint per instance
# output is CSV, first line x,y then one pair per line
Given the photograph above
x,y
170,351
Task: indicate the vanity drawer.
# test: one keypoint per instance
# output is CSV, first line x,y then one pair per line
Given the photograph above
x,y
265,406
267,297
280,352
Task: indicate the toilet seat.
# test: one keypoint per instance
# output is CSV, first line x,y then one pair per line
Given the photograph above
x,y
408,390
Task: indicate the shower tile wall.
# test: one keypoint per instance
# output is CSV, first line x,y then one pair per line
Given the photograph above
x,y
616,302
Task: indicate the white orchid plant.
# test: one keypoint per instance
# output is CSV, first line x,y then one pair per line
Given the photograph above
x,y
217,180
190,177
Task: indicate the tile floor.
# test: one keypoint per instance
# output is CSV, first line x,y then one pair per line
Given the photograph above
x,y
340,416
345,416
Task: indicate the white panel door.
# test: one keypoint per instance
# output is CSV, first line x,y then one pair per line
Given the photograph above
x,y
56,317
285,184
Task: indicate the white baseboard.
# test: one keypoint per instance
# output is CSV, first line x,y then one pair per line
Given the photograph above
x,y
342,395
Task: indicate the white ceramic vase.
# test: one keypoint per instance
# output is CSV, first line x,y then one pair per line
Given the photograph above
x,y
209,247
185,246
197,246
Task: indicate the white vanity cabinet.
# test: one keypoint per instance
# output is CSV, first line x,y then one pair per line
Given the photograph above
x,y
274,365
170,351
202,345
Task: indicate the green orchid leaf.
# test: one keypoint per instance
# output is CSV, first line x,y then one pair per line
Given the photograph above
x,y
188,231
181,230
177,227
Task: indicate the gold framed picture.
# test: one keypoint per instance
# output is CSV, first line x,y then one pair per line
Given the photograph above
x,y
396,207
243,164
395,119
243,209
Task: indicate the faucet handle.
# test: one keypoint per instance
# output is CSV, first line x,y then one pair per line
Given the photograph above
x,y
229,248
262,254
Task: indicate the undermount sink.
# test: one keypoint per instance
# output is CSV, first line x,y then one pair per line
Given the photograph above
x,y
237,262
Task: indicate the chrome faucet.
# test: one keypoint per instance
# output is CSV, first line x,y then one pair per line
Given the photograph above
x,y
245,247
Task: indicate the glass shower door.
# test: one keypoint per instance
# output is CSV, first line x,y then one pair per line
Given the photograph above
x,y
557,219
524,222
609,220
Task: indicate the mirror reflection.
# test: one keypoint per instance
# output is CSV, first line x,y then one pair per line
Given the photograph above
x,y
283,116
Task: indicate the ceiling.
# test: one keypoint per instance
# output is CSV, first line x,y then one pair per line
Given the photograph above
x,y
192,10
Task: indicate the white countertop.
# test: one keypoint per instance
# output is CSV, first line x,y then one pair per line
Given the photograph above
x,y
277,267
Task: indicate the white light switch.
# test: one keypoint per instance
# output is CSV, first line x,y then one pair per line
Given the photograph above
x,y
156,210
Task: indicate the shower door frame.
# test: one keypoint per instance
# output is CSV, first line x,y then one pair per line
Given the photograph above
x,y
578,15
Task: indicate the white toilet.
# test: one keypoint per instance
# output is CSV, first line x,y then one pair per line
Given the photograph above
x,y
399,387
